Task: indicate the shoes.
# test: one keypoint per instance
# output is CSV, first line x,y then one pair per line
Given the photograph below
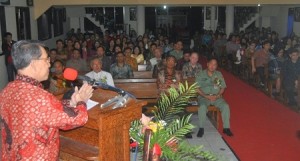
x,y
276,94
200,132
292,104
227,132
261,84
188,135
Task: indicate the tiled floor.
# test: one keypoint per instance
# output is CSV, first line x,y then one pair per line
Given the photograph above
x,y
212,141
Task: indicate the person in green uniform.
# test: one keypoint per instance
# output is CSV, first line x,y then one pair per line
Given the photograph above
x,y
177,52
211,88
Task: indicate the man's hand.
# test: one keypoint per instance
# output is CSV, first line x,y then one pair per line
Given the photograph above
x,y
211,98
84,94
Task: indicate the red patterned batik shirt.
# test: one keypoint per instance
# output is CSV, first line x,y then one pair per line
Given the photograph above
x,y
31,118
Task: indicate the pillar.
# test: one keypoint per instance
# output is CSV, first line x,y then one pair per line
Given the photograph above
x,y
140,17
212,18
229,19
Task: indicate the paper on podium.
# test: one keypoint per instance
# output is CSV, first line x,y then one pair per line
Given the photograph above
x,y
90,104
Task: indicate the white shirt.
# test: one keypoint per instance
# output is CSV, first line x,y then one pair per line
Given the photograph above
x,y
154,61
102,76
239,54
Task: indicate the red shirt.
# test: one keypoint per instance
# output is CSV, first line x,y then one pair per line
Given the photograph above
x,y
31,118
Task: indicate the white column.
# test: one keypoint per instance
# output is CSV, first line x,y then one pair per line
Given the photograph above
x,y
140,17
229,19
212,18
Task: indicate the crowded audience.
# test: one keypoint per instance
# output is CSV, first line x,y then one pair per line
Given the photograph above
x,y
256,55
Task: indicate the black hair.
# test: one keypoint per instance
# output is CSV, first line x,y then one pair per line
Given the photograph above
x,y
53,50
59,40
153,44
171,56
211,59
293,50
266,42
7,34
101,47
77,50
59,61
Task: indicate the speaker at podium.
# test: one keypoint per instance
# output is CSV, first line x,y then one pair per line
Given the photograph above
x,y
105,136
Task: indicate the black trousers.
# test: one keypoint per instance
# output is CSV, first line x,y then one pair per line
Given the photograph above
x,y
289,87
261,73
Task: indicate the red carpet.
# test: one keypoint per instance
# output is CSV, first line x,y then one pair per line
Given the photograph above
x,y
264,130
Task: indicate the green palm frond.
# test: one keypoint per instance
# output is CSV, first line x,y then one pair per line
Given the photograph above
x,y
188,152
174,101
180,127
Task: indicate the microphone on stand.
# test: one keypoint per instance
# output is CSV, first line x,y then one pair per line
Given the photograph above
x,y
72,75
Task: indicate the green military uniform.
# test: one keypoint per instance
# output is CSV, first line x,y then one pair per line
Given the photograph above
x,y
177,55
212,86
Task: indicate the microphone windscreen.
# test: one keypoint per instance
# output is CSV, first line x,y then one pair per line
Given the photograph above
x,y
70,74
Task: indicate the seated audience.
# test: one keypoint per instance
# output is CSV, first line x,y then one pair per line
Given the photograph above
x,y
61,52
69,48
130,60
157,53
159,66
192,68
275,65
259,60
177,51
291,73
58,84
53,56
168,77
121,70
98,74
185,59
150,53
76,62
110,48
106,62
211,88
138,55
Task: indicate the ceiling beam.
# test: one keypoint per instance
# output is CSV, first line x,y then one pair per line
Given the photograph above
x,y
40,6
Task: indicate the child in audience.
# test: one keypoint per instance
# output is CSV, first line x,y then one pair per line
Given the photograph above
x,y
259,60
275,65
291,73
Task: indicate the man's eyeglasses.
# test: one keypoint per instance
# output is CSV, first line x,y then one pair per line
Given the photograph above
x,y
45,59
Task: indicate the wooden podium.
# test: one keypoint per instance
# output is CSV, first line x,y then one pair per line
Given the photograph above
x,y
105,136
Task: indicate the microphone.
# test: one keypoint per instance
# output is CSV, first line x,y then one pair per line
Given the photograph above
x,y
72,74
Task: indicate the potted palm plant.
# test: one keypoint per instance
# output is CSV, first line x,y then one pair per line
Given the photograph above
x,y
169,125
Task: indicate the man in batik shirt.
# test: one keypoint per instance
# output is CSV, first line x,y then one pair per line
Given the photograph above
x,y
192,68
130,60
30,116
121,70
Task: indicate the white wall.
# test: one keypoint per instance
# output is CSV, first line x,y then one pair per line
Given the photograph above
x,y
276,17
297,28
11,26
209,24
133,24
76,16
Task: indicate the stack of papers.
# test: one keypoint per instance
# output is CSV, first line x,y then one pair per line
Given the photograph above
x,y
90,104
